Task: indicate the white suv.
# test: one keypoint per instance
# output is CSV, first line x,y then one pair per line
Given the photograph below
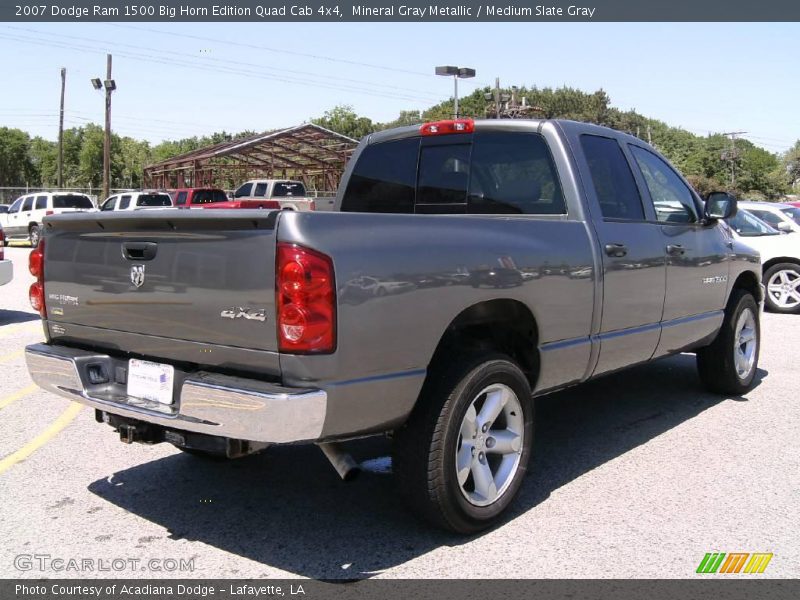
x,y
6,267
137,200
24,219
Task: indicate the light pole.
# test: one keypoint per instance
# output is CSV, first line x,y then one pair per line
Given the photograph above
x,y
109,85
456,73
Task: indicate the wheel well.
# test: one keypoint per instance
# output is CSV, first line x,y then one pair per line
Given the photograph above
x,y
748,281
774,261
506,326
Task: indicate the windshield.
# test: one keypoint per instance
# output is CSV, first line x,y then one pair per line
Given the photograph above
x,y
793,213
153,200
288,188
72,201
748,225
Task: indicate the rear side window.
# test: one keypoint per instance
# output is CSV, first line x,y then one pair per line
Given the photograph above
x,y
383,179
513,173
124,202
41,202
243,191
28,204
72,201
181,198
612,178
288,188
153,200
261,189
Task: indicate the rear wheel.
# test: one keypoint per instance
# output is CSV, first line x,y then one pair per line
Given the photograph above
x,y
728,365
783,288
462,457
35,234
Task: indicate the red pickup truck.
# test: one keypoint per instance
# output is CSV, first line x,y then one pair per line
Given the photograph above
x,y
197,197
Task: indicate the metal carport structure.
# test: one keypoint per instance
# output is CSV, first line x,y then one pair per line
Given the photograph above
x,y
309,153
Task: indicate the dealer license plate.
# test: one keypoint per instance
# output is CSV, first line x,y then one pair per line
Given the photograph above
x,y
150,381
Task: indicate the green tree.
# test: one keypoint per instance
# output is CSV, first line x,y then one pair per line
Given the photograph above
x,y
344,120
16,166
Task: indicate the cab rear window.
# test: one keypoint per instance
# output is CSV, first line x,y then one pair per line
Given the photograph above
x,y
486,173
153,200
71,201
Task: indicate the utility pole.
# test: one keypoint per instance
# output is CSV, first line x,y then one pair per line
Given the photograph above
x,y
107,139
496,97
732,154
61,131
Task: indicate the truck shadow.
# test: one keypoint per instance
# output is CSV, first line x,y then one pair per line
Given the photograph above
x,y
7,317
288,510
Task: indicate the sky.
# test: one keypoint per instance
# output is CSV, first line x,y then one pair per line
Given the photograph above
x,y
182,79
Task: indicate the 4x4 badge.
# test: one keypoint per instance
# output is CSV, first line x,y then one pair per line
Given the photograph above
x,y
137,275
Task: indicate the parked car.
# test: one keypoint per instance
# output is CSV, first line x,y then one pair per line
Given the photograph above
x,y
270,353
136,200
6,266
782,217
780,260
25,215
283,194
197,197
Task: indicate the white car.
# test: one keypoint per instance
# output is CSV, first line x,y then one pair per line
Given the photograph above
x,y
287,193
6,267
783,217
24,218
136,200
780,259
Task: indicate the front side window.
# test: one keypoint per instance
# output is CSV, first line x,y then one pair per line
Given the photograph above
x,y
181,198
613,180
41,202
746,224
673,200
793,213
383,179
513,173
16,206
243,191
109,204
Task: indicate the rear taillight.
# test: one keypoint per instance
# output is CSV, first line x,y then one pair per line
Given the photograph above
x,y
36,291
305,300
47,213
448,127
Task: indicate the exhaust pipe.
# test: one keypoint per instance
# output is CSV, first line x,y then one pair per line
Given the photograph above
x,y
345,465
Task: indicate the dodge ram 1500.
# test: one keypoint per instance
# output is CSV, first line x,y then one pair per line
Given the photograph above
x,y
468,267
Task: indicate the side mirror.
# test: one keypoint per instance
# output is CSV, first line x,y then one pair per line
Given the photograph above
x,y
719,205
784,227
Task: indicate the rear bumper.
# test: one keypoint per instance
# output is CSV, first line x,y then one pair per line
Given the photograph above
x,y
6,271
208,403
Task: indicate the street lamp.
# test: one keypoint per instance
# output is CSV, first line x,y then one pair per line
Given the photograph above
x,y
109,85
456,73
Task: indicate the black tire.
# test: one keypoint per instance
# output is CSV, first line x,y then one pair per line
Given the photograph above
x,y
424,461
793,273
35,234
716,363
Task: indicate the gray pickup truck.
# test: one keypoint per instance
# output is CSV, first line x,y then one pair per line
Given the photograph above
x,y
469,267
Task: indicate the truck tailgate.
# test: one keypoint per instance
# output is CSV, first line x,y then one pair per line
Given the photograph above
x,y
200,276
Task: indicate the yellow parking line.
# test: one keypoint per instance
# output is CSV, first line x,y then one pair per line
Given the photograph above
x,y
12,355
17,395
40,440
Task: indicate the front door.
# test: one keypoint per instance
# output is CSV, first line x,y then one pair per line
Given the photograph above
x,y
697,256
634,264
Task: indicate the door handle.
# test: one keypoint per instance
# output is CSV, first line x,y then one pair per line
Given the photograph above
x,y
675,250
616,250
139,250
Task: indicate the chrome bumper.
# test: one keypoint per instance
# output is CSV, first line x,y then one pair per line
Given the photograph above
x,y
233,407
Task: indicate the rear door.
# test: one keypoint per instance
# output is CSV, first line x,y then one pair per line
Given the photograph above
x,y
632,249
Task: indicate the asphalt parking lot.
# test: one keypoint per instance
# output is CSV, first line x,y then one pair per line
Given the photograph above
x,y
638,474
